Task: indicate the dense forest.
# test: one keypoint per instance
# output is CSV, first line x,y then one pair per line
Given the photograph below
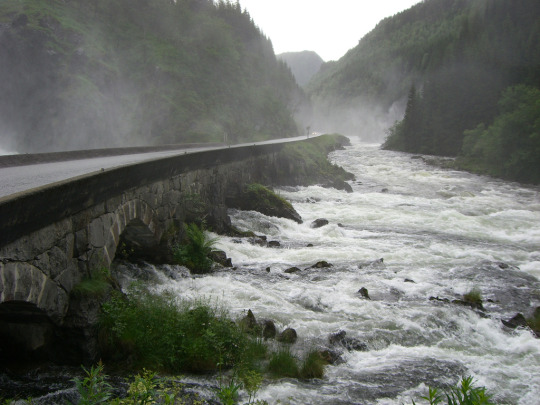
x,y
100,73
304,65
467,73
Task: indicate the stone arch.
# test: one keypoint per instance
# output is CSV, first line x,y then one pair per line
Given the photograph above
x,y
137,230
135,217
22,282
32,306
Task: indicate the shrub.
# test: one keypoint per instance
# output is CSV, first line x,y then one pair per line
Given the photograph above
x,y
193,252
160,333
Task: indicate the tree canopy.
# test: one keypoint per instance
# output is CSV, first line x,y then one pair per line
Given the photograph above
x,y
99,73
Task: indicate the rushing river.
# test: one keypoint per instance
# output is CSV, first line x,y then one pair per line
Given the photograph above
x,y
441,233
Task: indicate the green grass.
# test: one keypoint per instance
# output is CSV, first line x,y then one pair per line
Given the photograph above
x,y
158,332
97,285
283,364
474,296
313,365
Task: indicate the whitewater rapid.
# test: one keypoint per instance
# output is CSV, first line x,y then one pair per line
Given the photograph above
x,y
440,234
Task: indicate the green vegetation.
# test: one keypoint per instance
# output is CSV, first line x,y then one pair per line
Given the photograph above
x,y
194,250
114,73
308,163
313,365
157,332
283,364
97,285
482,102
467,73
93,388
464,394
473,297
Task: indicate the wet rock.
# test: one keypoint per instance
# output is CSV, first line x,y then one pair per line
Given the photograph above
x,y
268,329
258,240
288,336
518,321
439,299
274,244
309,245
331,356
321,265
379,263
339,185
408,280
248,323
384,190
293,269
268,269
220,257
470,304
364,293
351,344
318,223
256,197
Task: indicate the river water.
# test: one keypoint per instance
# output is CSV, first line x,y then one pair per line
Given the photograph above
x,y
445,232
440,234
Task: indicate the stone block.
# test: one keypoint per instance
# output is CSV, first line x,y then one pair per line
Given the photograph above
x,y
96,233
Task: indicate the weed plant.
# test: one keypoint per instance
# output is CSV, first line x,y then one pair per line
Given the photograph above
x,y
463,394
93,389
193,252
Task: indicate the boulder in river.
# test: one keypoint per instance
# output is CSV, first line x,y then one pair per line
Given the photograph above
x,y
348,343
268,329
318,223
364,293
518,321
220,257
321,265
291,270
287,336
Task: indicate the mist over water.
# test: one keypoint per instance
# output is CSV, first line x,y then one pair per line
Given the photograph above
x,y
444,232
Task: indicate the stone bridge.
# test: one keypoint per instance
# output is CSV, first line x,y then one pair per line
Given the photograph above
x,y
54,236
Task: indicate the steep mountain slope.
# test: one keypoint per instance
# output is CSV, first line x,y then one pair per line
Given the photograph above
x,y
463,52
304,65
78,73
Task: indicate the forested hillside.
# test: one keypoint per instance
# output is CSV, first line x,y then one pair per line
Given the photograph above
x,y
98,73
454,63
304,65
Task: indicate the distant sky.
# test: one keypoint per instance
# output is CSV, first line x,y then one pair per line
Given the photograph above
x,y
328,27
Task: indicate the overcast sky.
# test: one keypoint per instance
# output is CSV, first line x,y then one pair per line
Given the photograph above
x,y
328,27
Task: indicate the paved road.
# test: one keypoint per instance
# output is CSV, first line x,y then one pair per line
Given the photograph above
x,y
16,179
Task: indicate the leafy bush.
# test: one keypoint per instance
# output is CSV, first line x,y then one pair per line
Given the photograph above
x,y
193,252
161,333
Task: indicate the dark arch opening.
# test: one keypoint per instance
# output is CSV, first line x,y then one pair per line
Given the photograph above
x,y
138,242
26,332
